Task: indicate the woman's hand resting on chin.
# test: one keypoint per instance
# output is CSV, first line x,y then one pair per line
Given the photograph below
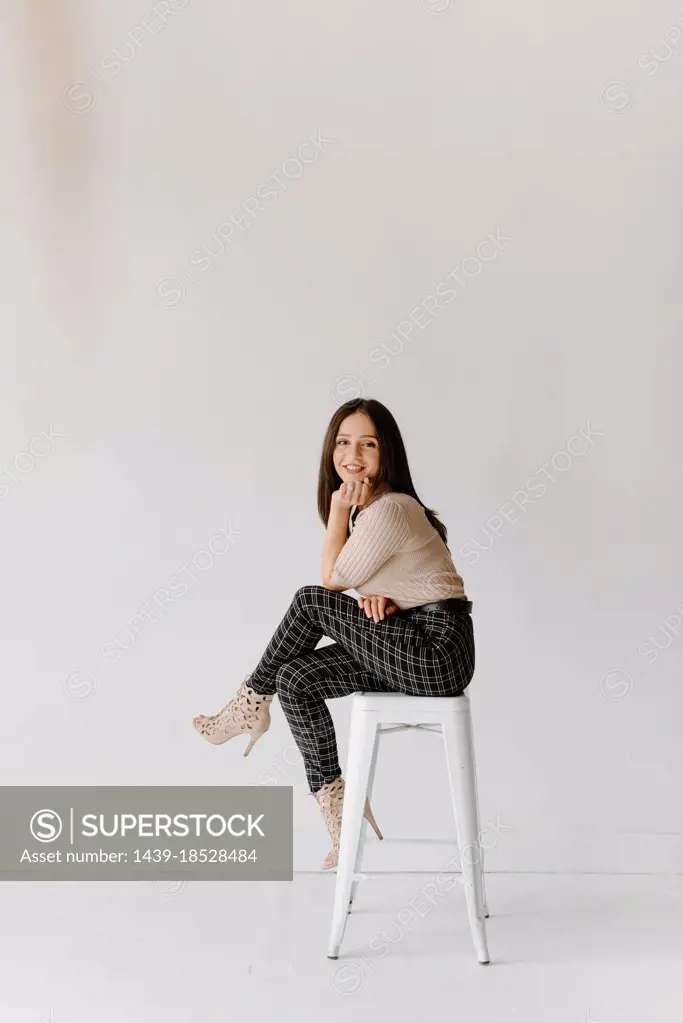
x,y
356,492
377,606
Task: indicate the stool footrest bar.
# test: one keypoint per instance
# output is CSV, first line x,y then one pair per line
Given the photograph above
x,y
380,875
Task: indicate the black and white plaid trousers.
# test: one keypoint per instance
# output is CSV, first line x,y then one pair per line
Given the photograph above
x,y
430,653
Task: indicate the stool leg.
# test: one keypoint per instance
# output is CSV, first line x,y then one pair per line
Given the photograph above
x,y
361,746
364,823
457,742
484,906
359,861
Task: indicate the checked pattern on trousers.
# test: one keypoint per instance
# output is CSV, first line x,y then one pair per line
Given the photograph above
x,y
430,653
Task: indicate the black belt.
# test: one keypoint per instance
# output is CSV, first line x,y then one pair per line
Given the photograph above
x,y
455,604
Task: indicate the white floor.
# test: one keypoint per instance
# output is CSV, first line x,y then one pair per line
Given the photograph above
x,y
566,949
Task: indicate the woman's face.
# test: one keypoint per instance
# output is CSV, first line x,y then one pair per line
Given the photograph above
x,y
356,446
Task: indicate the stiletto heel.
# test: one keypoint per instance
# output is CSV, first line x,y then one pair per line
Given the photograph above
x,y
373,823
253,739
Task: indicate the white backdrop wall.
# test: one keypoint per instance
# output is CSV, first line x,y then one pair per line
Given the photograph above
x,y
223,221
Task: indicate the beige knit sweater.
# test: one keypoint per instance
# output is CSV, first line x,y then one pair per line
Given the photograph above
x,y
394,551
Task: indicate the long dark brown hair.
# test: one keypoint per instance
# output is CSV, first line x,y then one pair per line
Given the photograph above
x,y
394,469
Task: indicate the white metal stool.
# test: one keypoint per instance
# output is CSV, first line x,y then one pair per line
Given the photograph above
x,y
372,715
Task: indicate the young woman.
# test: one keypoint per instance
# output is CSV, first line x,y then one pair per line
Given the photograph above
x,y
409,631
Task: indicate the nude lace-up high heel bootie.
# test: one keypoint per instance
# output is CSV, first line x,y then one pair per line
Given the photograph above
x,y
330,799
248,711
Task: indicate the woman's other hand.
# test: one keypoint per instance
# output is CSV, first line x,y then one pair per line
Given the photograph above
x,y
356,492
377,606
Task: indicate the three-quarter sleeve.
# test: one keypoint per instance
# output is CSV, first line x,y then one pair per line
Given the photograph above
x,y
378,533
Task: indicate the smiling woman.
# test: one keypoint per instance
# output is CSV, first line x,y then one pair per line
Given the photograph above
x,y
397,550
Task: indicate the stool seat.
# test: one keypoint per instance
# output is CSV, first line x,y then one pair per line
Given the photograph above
x,y
375,701
373,715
